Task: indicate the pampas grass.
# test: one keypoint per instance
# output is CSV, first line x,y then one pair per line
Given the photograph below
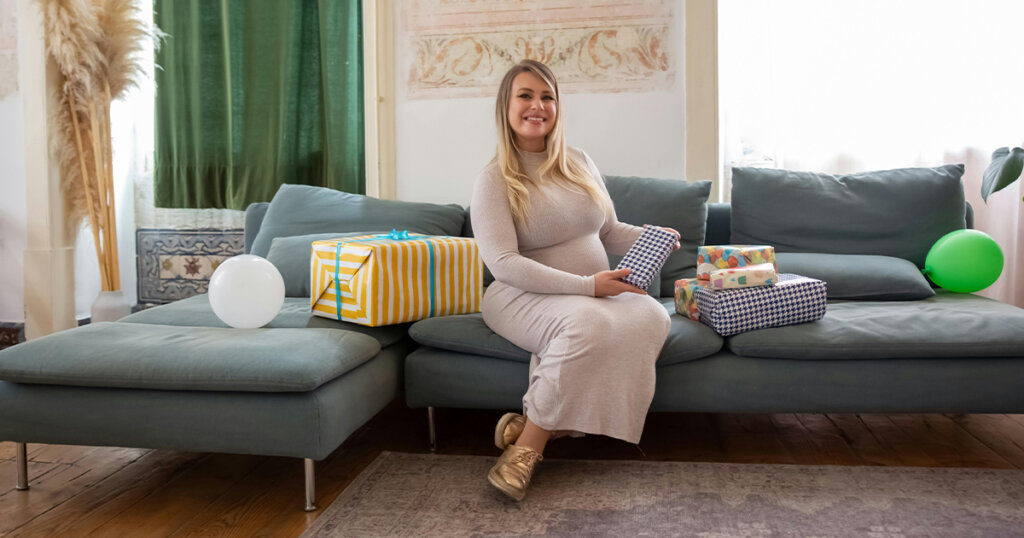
x,y
97,45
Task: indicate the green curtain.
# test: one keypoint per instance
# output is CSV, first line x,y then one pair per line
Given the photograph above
x,y
255,93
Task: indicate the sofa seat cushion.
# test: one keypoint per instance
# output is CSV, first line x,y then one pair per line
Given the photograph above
x,y
946,325
165,357
687,340
196,312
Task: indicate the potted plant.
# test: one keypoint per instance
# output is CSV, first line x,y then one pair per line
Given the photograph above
x,y
1004,169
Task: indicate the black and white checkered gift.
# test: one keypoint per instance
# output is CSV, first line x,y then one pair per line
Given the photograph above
x,y
647,256
794,299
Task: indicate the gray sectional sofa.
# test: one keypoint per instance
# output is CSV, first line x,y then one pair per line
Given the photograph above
x,y
176,377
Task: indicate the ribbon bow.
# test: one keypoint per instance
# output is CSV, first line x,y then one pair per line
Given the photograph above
x,y
398,235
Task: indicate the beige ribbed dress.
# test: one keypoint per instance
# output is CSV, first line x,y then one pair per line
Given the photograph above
x,y
592,363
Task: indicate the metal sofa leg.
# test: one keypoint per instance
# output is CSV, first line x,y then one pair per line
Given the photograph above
x,y
430,426
22,461
310,471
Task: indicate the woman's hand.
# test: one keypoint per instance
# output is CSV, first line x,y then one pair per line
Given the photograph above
x,y
609,283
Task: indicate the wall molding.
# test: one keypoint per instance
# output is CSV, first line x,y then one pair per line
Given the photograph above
x,y
49,248
702,149
379,97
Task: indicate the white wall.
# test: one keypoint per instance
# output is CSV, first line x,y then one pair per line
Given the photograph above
x,y
12,209
12,173
443,143
132,132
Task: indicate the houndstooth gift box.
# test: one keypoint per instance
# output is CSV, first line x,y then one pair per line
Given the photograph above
x,y
794,299
647,256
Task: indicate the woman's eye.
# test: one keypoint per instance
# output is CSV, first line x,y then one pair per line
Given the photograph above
x,y
548,98
524,96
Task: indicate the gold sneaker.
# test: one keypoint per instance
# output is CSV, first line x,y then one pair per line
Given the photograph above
x,y
509,427
513,471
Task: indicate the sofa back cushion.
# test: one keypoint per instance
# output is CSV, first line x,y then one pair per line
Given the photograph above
x,y
897,213
665,202
292,255
304,210
863,277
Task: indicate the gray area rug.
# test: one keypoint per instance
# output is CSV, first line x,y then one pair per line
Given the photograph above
x,y
438,495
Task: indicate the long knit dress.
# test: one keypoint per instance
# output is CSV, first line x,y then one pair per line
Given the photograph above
x,y
592,358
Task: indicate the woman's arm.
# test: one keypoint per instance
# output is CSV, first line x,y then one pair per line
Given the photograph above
x,y
616,236
496,237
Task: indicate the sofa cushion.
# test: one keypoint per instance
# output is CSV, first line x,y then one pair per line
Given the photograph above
x,y
665,202
196,312
302,210
687,340
466,334
167,357
946,325
292,254
897,213
860,276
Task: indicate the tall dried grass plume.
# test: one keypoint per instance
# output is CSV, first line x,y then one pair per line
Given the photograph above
x,y
97,45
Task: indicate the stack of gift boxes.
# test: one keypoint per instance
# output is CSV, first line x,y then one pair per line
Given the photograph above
x,y
738,288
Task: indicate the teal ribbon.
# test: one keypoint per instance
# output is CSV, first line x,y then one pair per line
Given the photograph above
x,y
393,235
337,281
430,301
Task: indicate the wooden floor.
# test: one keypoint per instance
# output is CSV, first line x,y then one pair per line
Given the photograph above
x,y
79,491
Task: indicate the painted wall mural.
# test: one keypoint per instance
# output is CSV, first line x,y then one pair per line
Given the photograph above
x,y
461,48
8,48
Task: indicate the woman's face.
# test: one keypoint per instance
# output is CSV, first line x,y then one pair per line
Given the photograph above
x,y
532,111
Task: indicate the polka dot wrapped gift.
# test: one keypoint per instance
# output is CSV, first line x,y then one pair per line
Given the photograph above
x,y
686,303
762,274
713,257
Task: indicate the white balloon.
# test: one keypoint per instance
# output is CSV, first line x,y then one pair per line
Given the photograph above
x,y
246,291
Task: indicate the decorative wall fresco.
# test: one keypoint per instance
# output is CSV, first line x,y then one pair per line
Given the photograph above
x,y
176,264
8,48
461,48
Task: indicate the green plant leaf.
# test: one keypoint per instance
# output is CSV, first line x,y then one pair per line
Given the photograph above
x,y
1004,169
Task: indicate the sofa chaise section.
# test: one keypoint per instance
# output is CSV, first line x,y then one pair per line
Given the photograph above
x,y
296,392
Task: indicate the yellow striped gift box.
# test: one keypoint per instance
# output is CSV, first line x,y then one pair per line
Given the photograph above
x,y
393,278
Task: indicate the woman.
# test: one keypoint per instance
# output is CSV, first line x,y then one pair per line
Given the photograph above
x,y
543,222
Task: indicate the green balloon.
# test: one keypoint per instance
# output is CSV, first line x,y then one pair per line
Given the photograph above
x,y
964,261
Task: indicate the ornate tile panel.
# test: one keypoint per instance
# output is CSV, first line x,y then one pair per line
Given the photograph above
x,y
176,264
461,48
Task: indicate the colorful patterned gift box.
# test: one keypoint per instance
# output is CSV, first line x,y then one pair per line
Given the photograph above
x,y
647,255
394,278
794,299
686,304
762,274
713,257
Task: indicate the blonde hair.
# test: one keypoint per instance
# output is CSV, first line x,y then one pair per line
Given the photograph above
x,y
558,166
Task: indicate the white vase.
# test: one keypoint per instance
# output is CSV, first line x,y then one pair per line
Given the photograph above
x,y
110,306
